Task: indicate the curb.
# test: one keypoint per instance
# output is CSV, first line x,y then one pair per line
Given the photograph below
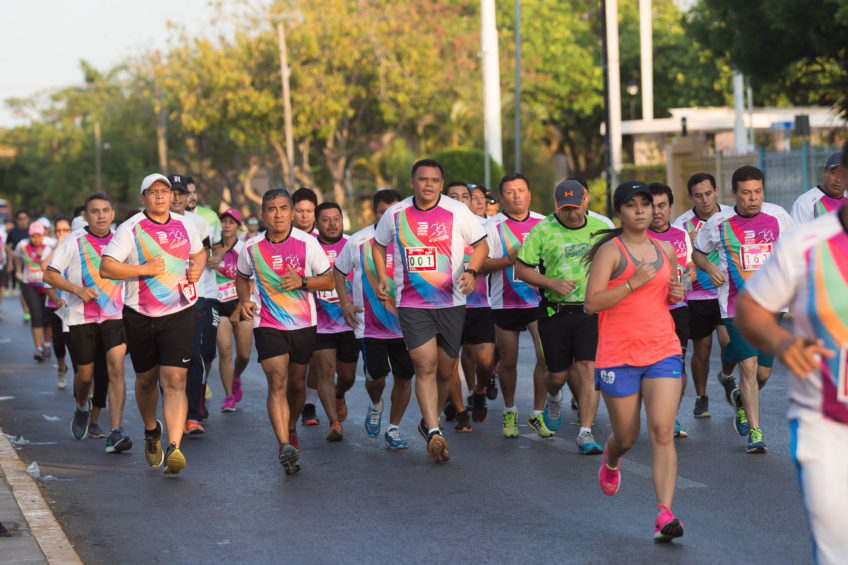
x,y
43,525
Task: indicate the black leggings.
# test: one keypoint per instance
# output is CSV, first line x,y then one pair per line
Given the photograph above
x,y
101,372
58,336
35,302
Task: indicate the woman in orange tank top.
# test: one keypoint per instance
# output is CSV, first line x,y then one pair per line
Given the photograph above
x,y
631,281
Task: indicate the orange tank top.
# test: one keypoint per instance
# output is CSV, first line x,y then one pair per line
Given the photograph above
x,y
637,331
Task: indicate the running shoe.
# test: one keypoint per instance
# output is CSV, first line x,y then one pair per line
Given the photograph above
x,y
755,442
94,431
729,385
153,446
372,421
587,444
437,447
308,415
47,353
229,404
79,424
422,430
207,393
174,460
193,427
740,422
336,432
393,439
510,424
38,355
341,409
117,441
450,410
237,390
463,422
492,386
609,478
574,404
667,527
702,407
538,423
62,379
290,458
479,410
293,440
678,429
27,317
553,413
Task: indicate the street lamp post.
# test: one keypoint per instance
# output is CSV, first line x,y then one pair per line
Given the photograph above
x,y
632,90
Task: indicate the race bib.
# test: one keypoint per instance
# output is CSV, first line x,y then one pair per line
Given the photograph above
x,y
327,296
227,291
842,378
754,255
189,291
421,259
33,276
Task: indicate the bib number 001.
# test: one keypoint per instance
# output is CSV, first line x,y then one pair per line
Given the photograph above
x,y
421,259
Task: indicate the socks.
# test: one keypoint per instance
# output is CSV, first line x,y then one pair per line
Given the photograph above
x,y
536,413
432,430
582,429
311,396
557,398
377,407
392,427
510,409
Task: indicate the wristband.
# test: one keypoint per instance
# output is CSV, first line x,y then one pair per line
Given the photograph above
x,y
472,272
628,285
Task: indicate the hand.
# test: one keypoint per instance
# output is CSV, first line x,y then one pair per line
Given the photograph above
x,y
675,291
248,309
291,280
383,289
563,287
465,281
644,273
194,271
213,261
717,277
155,266
692,272
59,303
513,256
19,275
86,294
799,354
349,311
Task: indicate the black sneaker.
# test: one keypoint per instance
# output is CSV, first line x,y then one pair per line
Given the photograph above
x,y
308,415
729,385
95,432
702,407
492,387
574,405
463,422
450,411
422,429
117,441
479,411
79,425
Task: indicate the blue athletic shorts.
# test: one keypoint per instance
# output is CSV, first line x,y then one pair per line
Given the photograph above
x,y
626,380
739,349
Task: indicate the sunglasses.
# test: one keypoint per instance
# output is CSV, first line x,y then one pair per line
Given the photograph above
x,y
252,223
491,201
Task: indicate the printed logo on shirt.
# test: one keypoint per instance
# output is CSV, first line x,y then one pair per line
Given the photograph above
x,y
422,228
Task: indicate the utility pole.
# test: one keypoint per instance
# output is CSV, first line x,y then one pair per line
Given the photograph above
x,y
491,86
98,146
517,86
647,59
285,73
606,132
161,120
614,77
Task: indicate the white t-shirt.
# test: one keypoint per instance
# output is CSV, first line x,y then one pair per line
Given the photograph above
x,y
206,286
808,270
140,239
602,218
812,204
431,248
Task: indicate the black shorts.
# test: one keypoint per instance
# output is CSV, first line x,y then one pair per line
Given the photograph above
x,y
420,325
345,344
378,353
164,340
479,326
86,337
704,318
515,319
226,309
297,344
36,302
567,337
681,325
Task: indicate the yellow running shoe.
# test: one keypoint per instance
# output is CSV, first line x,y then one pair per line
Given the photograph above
x,y
174,460
153,446
510,424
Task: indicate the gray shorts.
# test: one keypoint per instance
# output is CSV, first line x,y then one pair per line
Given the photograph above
x,y
420,325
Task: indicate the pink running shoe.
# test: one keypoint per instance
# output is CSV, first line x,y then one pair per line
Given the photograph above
x,y
236,390
610,479
229,404
667,527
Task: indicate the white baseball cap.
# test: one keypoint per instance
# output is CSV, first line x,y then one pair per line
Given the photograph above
x,y
78,223
150,179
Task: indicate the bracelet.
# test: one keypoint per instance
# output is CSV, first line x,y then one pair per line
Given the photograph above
x,y
471,272
627,284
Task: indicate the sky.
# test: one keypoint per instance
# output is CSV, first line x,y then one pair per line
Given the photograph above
x,y
43,41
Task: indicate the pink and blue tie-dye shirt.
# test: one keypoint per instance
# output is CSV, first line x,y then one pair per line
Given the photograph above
x,y
330,318
679,240
506,234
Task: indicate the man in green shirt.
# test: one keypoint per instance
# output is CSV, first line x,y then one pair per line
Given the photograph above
x,y
551,259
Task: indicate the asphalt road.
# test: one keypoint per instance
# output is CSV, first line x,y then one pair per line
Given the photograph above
x,y
496,501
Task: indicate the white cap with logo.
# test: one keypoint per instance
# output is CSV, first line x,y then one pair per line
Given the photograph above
x,y
150,179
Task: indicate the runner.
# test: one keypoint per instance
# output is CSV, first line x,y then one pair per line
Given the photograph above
x,y
376,324
224,260
514,302
493,205
252,226
744,239
18,233
702,299
807,271
822,198
478,200
94,307
661,230
337,349
631,282
161,257
54,302
431,233
305,200
287,263
551,260
29,253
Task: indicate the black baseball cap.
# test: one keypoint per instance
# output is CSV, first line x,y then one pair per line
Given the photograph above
x,y
178,182
833,161
569,193
627,190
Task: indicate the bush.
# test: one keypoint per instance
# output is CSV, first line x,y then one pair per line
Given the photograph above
x,y
467,165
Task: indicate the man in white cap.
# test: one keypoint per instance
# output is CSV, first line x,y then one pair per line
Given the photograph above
x,y
822,198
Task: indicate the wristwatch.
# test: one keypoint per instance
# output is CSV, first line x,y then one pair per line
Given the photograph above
x,y
302,282
472,272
